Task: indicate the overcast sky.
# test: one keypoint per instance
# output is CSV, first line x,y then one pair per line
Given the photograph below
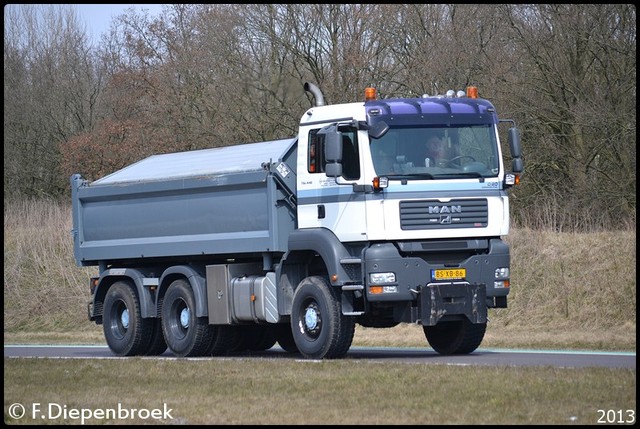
x,y
98,16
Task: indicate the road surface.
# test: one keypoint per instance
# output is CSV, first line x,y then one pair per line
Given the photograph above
x,y
482,357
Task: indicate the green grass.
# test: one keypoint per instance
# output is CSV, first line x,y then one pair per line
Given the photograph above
x,y
273,391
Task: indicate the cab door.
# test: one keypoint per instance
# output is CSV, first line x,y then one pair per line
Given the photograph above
x,y
329,202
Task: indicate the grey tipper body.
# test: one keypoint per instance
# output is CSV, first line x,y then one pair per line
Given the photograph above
x,y
209,201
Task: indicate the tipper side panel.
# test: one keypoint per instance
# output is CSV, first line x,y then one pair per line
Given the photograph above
x,y
127,216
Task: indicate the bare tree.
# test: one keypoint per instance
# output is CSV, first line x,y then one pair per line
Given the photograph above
x,y
578,92
205,75
50,94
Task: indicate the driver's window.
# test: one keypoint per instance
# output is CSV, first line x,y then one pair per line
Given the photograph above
x,y
315,159
350,157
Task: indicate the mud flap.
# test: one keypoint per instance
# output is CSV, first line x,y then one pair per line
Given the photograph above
x,y
441,299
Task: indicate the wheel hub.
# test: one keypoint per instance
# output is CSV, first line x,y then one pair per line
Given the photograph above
x,y
184,318
124,318
312,320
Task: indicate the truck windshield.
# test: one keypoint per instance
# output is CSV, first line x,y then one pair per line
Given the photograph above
x,y
424,152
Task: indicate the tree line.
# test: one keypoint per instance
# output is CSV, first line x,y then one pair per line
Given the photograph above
x,y
205,75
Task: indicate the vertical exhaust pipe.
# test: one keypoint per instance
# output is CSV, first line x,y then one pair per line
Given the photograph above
x,y
317,94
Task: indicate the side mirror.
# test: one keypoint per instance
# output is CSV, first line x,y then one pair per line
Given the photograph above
x,y
516,165
333,169
516,153
332,146
514,142
332,151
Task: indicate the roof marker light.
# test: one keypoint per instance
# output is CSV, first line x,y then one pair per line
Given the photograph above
x,y
369,94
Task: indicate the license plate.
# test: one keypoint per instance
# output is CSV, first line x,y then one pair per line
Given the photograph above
x,y
449,274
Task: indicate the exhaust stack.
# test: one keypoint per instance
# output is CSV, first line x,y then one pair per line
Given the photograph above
x,y
317,94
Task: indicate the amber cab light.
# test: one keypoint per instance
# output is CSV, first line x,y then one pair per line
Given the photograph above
x,y
369,94
380,183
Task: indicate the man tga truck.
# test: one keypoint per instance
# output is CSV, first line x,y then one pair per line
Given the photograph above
x,y
296,241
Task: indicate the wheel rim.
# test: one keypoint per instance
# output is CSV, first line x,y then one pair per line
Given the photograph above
x,y
124,319
119,320
311,320
180,319
184,318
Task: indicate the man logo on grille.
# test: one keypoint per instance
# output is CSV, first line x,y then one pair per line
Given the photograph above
x,y
445,220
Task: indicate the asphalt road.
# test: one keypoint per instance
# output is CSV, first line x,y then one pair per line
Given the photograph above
x,y
482,357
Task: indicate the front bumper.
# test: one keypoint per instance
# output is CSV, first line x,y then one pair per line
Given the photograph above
x,y
440,300
428,300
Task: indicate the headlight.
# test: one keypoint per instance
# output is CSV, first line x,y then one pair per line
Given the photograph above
x,y
501,273
382,278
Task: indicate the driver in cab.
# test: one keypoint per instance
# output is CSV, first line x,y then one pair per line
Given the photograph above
x,y
436,151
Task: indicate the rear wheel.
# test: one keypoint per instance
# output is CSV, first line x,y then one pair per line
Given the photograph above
x,y
185,334
126,332
259,337
455,337
157,345
253,338
262,338
223,340
320,330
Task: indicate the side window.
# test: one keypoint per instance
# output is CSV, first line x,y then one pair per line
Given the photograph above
x,y
315,160
350,158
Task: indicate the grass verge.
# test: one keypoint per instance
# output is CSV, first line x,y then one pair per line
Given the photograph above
x,y
271,391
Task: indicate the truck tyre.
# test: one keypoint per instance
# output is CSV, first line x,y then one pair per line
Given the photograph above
x,y
455,337
223,340
185,334
157,345
284,336
254,338
262,338
126,332
320,330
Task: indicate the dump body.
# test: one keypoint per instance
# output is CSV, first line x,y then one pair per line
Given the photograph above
x,y
216,201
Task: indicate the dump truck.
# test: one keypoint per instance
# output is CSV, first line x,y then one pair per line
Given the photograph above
x,y
294,242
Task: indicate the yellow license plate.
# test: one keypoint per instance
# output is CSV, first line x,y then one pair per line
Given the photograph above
x,y
451,274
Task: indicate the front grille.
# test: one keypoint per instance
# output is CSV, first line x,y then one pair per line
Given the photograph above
x,y
433,214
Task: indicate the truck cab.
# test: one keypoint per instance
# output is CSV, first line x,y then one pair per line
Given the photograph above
x,y
423,235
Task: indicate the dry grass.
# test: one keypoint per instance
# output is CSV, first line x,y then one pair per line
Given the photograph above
x,y
43,289
568,289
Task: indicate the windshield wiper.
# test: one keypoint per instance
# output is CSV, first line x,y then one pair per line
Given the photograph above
x,y
409,176
460,175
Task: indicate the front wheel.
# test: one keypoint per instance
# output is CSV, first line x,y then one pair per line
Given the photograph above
x,y
319,328
285,339
455,337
